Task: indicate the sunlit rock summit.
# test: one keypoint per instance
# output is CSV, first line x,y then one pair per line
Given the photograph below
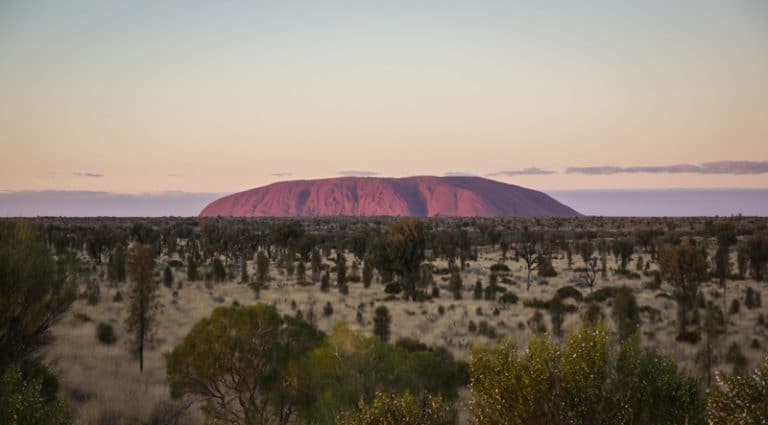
x,y
422,196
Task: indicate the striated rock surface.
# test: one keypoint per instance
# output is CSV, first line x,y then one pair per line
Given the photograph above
x,y
422,196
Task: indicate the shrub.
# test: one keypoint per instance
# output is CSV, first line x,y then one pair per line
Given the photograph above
x,y
736,358
592,378
536,303
401,409
566,292
381,322
105,333
22,401
739,399
499,267
235,342
690,336
602,294
393,288
752,299
734,307
509,298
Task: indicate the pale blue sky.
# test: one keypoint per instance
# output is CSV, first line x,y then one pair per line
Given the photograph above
x,y
224,96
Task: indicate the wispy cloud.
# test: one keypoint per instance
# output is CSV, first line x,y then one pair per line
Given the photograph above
x,y
522,172
720,167
282,174
86,174
459,174
357,173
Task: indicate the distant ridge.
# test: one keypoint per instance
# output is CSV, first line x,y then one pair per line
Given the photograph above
x,y
422,196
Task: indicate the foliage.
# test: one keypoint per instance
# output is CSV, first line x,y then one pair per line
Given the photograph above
x,y
400,250
740,399
381,322
143,302
34,292
105,333
22,401
388,409
349,368
243,361
625,313
686,267
593,378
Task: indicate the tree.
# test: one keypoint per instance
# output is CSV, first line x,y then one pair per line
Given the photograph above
x,y
341,273
625,313
589,273
349,368
478,292
685,267
262,267
243,362
757,251
557,314
316,264
167,276
401,409
22,403
726,237
301,273
381,323
591,379
219,272
402,252
143,297
191,268
367,273
455,284
739,400
116,269
586,249
325,282
34,292
527,248
623,249
244,269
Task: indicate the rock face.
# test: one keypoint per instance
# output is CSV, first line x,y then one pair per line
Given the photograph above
x,y
423,196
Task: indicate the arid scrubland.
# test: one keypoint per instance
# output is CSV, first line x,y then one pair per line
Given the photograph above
x,y
469,290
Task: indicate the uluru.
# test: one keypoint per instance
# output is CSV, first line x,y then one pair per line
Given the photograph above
x,y
421,196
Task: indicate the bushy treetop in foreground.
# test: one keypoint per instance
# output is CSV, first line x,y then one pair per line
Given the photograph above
x,y
404,409
592,379
740,399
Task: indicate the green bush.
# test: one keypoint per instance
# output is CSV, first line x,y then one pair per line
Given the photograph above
x,y
23,403
401,409
105,333
566,292
739,399
593,378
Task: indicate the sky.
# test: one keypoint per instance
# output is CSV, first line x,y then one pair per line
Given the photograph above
x,y
217,97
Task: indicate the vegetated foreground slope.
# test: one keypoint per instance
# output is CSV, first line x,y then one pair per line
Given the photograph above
x,y
422,196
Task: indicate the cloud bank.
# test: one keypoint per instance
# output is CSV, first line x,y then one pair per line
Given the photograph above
x,y
521,172
719,167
